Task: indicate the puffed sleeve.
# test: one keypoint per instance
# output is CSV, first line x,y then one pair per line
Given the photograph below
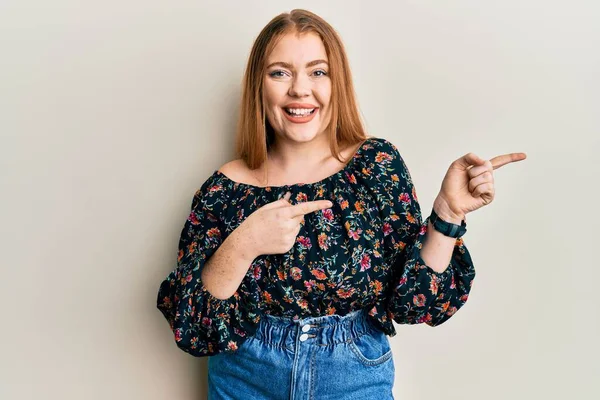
x,y
203,325
418,293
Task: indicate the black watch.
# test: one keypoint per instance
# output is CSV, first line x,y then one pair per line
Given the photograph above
x,y
447,228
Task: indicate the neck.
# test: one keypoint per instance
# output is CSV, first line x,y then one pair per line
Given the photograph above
x,y
289,155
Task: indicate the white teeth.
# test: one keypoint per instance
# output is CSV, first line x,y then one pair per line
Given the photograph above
x,y
299,111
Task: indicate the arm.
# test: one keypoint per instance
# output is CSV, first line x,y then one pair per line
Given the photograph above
x,y
431,274
437,249
203,324
226,268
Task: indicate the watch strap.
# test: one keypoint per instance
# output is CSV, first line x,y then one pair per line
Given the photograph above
x,y
447,228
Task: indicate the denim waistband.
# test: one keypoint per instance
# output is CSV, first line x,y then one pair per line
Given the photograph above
x,y
322,331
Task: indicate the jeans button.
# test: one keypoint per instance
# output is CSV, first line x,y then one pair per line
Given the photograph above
x,y
306,328
303,337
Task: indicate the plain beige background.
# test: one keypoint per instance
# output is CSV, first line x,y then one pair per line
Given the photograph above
x,y
113,113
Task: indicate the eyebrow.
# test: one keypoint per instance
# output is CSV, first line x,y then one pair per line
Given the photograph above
x,y
287,65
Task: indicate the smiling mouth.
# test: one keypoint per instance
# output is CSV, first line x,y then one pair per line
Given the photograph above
x,y
300,115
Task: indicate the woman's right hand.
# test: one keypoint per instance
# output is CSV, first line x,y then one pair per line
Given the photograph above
x,y
273,228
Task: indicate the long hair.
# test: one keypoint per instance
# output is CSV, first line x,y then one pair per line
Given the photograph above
x,y
255,134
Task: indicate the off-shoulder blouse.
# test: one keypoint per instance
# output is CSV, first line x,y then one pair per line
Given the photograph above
x,y
362,253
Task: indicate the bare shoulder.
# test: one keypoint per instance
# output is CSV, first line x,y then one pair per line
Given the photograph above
x,y
236,170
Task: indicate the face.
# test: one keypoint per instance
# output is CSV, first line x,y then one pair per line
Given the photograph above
x,y
297,78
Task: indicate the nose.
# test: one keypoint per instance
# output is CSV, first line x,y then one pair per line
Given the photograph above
x,y
300,86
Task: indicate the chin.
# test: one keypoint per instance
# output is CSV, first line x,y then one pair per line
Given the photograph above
x,y
301,137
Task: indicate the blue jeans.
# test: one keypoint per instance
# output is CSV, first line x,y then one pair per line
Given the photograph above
x,y
329,357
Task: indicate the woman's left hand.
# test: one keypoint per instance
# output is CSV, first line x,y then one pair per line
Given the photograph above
x,y
469,185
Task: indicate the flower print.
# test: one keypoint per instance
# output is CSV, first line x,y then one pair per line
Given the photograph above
x,y
354,234
419,300
399,246
280,275
309,285
345,293
445,306
365,262
323,241
433,286
304,242
387,229
414,194
377,286
351,177
296,273
404,198
267,297
239,332
193,218
394,217
256,272
382,156
318,273
424,319
240,214
376,253
215,188
344,204
300,197
167,301
231,345
303,303
359,206
214,233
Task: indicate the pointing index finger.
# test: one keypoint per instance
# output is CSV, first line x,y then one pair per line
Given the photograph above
x,y
308,207
504,159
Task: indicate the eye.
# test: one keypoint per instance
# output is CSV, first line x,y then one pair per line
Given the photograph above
x,y
274,74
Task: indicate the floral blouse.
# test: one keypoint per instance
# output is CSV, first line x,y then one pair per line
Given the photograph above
x,y
362,253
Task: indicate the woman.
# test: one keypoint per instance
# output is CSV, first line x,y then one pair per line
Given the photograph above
x,y
296,257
